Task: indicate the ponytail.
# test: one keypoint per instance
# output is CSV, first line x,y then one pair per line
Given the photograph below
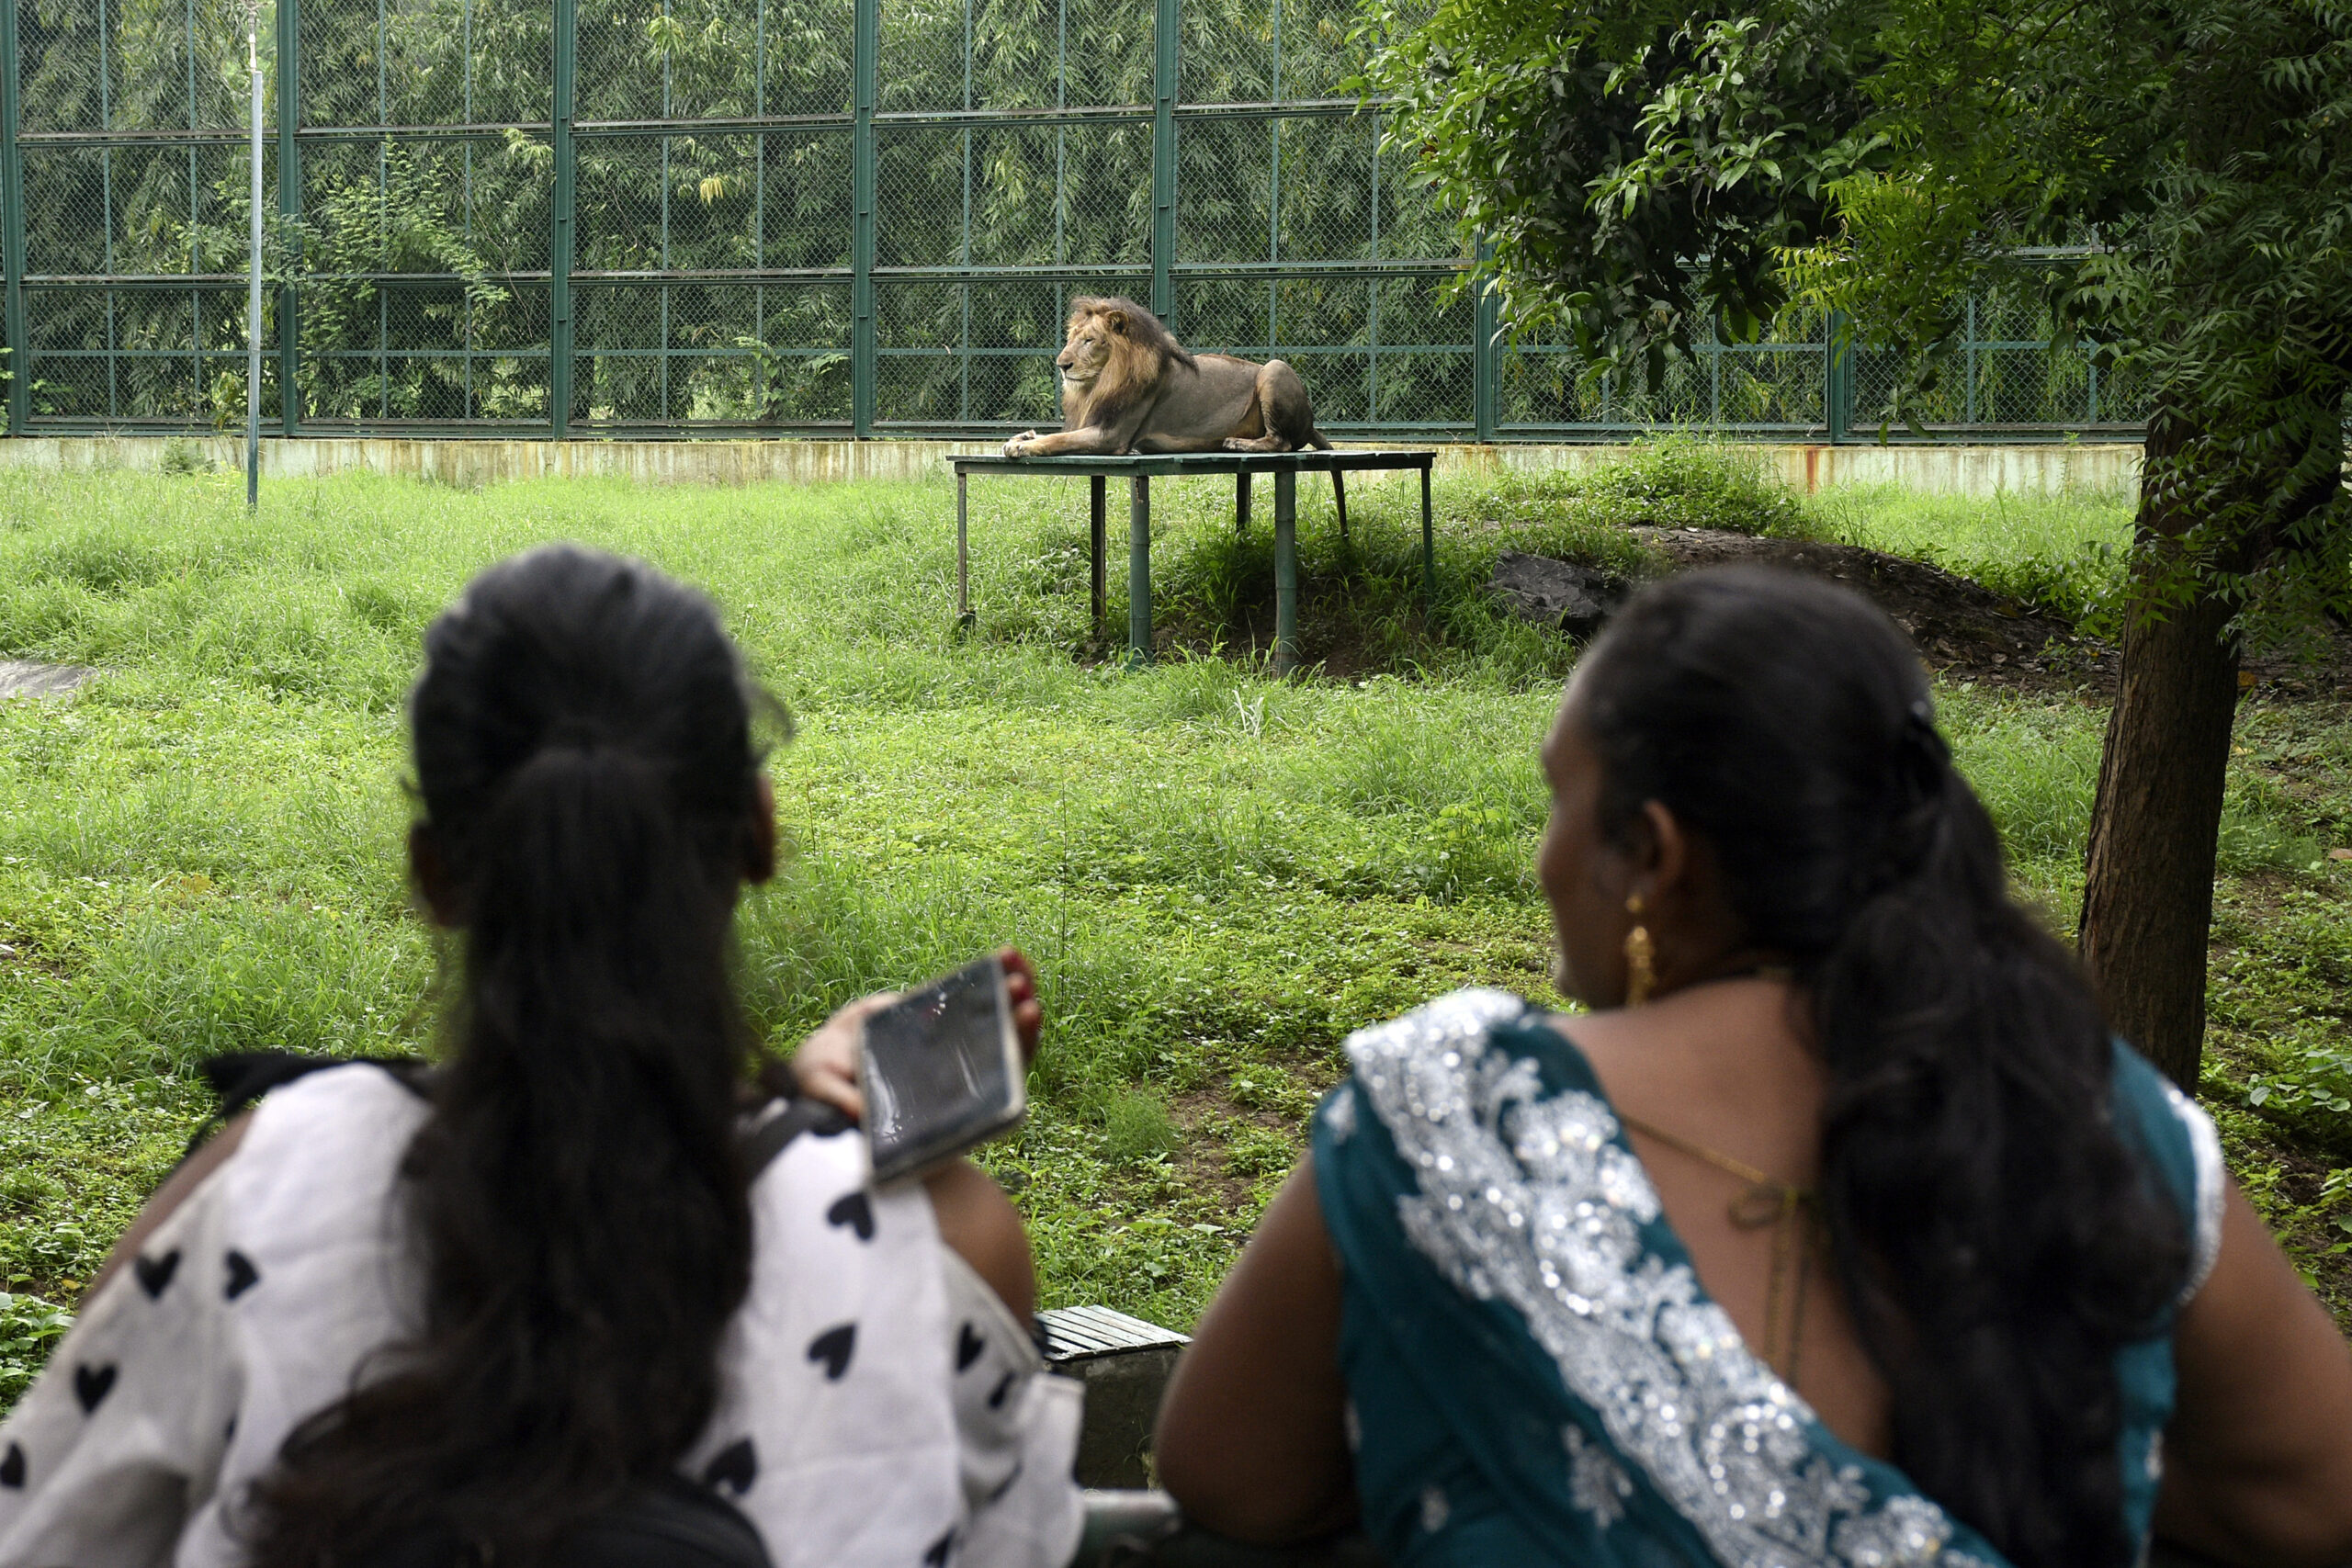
x,y
1995,1239
583,754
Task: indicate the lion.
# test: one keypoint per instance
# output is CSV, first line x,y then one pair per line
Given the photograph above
x,y
1128,385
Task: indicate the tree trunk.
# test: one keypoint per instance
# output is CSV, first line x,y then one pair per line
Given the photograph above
x,y
2148,893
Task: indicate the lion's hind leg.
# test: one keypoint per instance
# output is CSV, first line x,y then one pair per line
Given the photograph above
x,y
1279,408
1289,412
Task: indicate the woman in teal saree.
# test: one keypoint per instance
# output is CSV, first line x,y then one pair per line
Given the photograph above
x,y
1841,1232
1481,1192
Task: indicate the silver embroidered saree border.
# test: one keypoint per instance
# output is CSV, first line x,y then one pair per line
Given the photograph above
x,y
2205,1153
1530,1200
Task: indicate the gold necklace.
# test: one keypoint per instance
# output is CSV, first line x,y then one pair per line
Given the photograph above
x,y
1766,1202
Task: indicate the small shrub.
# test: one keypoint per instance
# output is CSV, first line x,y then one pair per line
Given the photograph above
x,y
1678,482
2319,1080
106,560
1253,1151
1136,1126
26,1188
182,455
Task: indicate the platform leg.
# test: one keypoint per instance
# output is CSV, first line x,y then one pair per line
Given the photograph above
x,y
964,616
1428,549
1241,503
1099,505
1139,571
1339,499
1286,571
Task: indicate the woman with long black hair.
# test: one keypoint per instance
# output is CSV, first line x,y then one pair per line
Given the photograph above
x,y
1840,1232
576,1297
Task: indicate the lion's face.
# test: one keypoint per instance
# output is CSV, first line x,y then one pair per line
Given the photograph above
x,y
1088,350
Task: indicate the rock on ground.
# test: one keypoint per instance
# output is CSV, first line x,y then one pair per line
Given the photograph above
x,y
21,678
1576,599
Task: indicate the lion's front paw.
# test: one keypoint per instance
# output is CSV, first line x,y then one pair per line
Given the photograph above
x,y
1019,446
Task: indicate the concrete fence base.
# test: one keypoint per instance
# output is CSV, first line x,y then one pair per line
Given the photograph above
x,y
2043,467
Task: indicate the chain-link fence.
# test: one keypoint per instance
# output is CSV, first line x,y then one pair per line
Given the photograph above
x,y
869,217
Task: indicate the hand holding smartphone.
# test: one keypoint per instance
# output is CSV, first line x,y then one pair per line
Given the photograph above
x,y
940,1070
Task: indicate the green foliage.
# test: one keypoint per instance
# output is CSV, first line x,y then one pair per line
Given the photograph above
x,y
29,1327
1594,156
183,456
2317,1079
2207,141
401,222
1643,171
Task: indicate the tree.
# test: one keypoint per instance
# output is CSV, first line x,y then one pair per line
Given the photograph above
x,y
1637,169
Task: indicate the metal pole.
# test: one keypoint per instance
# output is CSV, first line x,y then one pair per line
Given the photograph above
x,y
289,207
1836,380
1139,571
1098,508
1968,416
252,268
12,230
1485,368
1163,161
1286,571
1372,320
559,320
1241,504
1428,548
964,616
865,50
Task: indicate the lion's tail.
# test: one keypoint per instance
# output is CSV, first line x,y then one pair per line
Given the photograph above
x,y
1322,443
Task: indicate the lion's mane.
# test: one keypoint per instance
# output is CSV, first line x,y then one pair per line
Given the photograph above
x,y
1141,357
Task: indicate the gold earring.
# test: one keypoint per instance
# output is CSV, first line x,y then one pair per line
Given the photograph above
x,y
1641,972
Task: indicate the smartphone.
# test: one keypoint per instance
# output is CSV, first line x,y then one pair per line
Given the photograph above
x,y
941,1071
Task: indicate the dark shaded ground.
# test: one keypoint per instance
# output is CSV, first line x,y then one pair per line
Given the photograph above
x,y
1963,628
1966,631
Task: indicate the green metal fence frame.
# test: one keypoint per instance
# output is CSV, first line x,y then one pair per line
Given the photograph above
x,y
1167,115
12,227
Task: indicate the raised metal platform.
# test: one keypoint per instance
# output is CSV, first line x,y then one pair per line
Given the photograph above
x,y
1140,468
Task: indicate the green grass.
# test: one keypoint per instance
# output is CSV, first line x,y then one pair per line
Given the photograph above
x,y
2062,553
1218,874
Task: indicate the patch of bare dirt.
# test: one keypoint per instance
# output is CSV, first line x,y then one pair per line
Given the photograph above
x,y
1964,629
1205,1122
